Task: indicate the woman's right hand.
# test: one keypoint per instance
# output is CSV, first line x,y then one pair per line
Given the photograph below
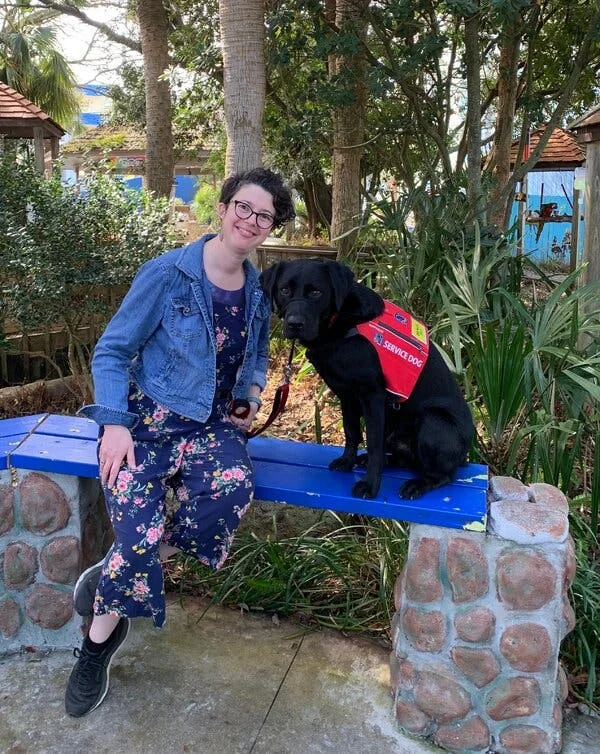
x,y
116,445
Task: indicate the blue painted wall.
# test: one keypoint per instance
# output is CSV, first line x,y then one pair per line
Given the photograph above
x,y
554,240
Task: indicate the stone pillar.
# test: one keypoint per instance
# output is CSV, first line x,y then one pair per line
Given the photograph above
x,y
478,625
51,527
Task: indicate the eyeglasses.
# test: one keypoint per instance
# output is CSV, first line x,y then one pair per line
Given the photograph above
x,y
244,211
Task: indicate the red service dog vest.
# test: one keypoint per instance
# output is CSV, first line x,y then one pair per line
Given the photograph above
x,y
402,344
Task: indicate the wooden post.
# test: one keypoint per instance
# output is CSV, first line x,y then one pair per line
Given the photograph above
x,y
38,146
591,238
574,231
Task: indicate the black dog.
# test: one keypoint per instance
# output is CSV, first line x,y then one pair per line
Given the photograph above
x,y
431,432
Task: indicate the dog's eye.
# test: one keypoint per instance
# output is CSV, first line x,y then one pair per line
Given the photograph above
x,y
284,290
315,294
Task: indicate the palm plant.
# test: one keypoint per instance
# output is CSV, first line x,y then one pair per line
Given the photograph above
x,y
31,64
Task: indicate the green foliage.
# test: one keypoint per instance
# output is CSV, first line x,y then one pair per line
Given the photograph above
x,y
343,579
61,246
528,361
581,647
31,63
204,204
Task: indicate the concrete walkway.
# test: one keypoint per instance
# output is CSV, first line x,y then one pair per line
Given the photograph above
x,y
217,680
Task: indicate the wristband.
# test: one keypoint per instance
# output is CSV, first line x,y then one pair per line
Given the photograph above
x,y
254,399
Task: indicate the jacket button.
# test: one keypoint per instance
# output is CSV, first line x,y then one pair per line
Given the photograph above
x,y
186,310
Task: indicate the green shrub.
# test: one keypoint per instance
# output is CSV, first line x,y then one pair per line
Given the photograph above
x,y
61,246
204,204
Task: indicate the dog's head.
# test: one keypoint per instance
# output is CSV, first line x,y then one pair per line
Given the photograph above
x,y
311,294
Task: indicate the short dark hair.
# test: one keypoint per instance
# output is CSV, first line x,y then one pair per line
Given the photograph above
x,y
270,182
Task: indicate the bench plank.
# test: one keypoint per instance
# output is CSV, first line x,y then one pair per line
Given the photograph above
x,y
452,506
68,426
286,472
320,456
57,455
7,446
20,425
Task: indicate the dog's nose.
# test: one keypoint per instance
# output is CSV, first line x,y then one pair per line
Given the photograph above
x,y
294,323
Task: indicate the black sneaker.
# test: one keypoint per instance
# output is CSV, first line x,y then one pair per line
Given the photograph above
x,y
88,682
84,592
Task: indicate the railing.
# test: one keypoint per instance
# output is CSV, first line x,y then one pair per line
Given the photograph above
x,y
269,254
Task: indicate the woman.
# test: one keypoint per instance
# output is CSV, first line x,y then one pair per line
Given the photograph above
x,y
190,336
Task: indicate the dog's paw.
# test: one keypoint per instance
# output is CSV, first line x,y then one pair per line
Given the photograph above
x,y
413,489
363,489
342,464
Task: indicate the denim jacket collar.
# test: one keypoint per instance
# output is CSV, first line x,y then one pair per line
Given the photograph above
x,y
190,261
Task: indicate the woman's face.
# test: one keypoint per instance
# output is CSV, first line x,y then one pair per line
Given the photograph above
x,y
240,226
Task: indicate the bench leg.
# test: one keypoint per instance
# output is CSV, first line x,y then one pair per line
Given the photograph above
x,y
479,622
51,527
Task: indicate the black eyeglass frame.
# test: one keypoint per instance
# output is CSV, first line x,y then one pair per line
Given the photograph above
x,y
237,204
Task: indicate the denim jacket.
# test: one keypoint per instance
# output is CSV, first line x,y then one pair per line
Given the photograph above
x,y
162,337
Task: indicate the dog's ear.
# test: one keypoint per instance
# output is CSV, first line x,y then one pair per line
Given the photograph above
x,y
342,279
268,282
362,304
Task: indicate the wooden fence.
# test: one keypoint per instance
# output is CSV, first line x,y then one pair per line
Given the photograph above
x,y
24,360
28,356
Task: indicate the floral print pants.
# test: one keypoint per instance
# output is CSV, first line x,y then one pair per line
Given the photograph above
x,y
208,469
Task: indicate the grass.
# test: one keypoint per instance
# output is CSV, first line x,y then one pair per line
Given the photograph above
x,y
343,579
580,648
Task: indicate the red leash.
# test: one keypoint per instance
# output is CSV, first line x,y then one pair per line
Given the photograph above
x,y
241,407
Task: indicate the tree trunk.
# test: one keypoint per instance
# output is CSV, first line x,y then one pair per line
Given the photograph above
x,y
317,198
499,162
160,161
473,123
244,81
348,127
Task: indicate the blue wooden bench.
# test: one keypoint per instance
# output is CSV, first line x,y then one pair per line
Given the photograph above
x,y
286,471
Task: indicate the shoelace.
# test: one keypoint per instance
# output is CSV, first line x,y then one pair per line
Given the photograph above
x,y
89,666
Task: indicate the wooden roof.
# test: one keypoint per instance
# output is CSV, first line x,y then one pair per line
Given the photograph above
x,y
19,117
561,152
126,146
587,127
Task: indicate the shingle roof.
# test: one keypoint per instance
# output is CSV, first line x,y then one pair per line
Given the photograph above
x,y
19,116
106,138
591,118
561,151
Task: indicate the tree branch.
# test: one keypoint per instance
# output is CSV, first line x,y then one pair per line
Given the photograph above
x,y
72,10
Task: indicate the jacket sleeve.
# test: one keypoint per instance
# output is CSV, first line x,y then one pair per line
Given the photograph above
x,y
259,376
138,316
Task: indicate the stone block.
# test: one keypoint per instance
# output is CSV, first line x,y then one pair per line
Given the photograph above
x,y
20,565
61,560
48,607
467,569
10,618
526,580
425,629
7,510
476,624
44,506
527,647
514,697
467,735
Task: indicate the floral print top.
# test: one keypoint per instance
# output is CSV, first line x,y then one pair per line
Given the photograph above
x,y
231,334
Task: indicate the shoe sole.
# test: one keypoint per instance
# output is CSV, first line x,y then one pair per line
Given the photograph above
x,y
106,688
87,611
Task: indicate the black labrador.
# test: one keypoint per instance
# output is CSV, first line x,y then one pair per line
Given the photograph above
x,y
431,432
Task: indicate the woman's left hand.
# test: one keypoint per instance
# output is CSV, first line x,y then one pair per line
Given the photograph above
x,y
244,424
